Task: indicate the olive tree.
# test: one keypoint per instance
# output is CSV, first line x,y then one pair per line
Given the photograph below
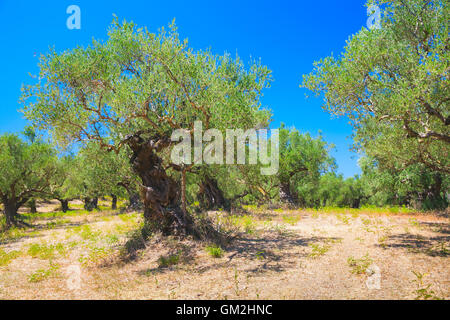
x,y
393,85
132,91
26,169
302,160
104,173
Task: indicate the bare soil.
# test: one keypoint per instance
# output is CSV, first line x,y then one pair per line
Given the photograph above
x,y
290,254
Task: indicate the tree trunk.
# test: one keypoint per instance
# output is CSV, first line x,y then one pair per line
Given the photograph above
x,y
87,204
210,196
114,202
32,204
64,204
183,191
160,193
436,187
286,195
90,203
134,200
10,212
95,203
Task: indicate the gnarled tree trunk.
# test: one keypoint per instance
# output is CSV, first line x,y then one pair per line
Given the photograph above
x,y
160,193
286,195
210,196
134,200
10,211
10,208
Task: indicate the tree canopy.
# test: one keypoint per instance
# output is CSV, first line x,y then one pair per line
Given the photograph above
x,y
26,171
393,85
133,90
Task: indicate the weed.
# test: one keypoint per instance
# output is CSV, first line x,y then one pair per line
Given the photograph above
x,y
112,239
44,251
343,218
318,250
423,291
169,260
359,266
236,282
43,274
292,220
413,222
95,255
260,255
57,223
214,251
281,230
315,214
7,257
12,234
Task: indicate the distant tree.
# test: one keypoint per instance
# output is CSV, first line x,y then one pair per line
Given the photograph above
x,y
104,173
26,169
336,191
66,182
416,186
302,160
393,84
132,91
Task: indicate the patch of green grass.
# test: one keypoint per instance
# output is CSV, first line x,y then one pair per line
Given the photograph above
x,y
43,274
292,220
95,255
169,260
12,234
359,266
333,241
214,251
382,240
414,222
85,232
245,222
318,249
7,257
126,217
112,239
57,223
343,218
368,209
44,251
281,230
260,255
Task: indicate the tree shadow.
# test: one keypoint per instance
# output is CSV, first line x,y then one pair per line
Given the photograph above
x,y
431,246
184,255
264,254
443,228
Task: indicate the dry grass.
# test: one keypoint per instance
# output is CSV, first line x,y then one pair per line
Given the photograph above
x,y
280,254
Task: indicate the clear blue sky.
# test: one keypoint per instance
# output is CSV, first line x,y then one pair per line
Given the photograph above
x,y
287,35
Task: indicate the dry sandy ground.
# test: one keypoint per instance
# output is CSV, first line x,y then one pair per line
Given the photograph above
x,y
279,255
